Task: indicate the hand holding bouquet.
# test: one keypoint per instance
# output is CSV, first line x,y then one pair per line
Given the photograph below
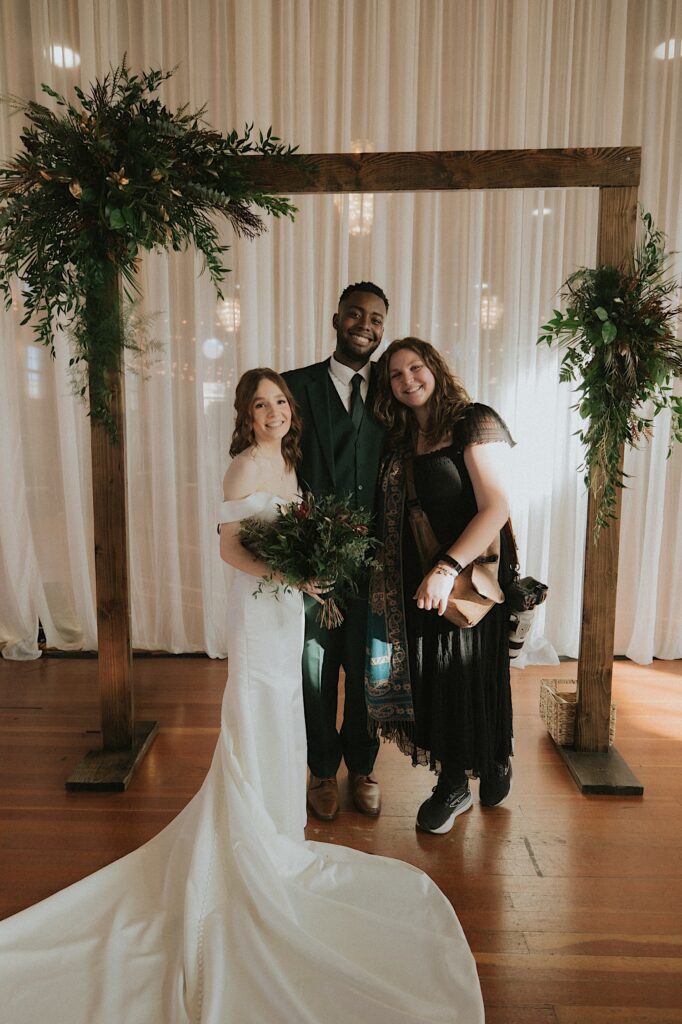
x,y
319,541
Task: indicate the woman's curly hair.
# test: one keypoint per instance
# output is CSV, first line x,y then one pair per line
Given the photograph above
x,y
243,435
448,402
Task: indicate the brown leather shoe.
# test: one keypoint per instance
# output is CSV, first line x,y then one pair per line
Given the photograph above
x,y
365,793
323,798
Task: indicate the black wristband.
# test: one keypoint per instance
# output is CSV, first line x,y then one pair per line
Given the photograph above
x,y
449,560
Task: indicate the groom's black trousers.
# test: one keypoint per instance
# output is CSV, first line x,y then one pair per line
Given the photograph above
x,y
325,651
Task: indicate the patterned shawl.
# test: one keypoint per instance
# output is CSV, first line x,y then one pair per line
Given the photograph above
x,y
387,677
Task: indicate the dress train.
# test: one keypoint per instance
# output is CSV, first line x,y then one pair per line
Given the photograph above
x,y
229,916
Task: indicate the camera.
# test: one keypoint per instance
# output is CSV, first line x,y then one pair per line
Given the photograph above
x,y
519,628
523,597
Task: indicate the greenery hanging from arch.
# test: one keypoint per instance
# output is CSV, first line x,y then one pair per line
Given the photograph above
x,y
97,183
618,340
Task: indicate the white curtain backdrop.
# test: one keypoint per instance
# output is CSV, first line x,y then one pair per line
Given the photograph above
x,y
476,273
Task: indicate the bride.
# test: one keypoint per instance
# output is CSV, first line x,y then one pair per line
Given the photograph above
x,y
229,916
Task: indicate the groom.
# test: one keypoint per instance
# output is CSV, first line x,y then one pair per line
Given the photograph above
x,y
341,449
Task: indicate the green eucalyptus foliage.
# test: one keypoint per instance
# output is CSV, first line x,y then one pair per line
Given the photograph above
x,y
97,182
618,340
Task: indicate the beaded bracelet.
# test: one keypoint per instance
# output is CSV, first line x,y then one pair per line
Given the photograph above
x,y
449,560
441,570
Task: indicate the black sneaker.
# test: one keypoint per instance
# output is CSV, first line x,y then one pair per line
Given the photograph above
x,y
494,790
438,813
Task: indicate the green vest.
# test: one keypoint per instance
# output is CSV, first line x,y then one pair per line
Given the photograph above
x,y
354,476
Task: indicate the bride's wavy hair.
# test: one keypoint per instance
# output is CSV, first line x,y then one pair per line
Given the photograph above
x,y
243,435
447,404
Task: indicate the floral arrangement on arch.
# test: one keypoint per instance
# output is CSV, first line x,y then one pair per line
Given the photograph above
x,y
100,180
618,339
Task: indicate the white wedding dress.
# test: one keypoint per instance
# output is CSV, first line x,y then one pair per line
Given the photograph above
x,y
229,916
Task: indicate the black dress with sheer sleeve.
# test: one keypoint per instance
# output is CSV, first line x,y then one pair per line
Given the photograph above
x,y
460,677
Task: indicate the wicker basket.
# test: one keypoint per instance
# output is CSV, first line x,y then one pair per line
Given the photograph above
x,y
557,710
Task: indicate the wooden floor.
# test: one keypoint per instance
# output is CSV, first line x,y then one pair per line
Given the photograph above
x,y
572,905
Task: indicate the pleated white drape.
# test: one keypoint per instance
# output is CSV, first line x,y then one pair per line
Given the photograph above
x,y
474,272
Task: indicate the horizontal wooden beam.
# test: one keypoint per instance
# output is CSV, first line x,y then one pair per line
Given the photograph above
x,y
437,171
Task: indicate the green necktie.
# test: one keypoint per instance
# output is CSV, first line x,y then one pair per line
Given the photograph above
x,y
357,407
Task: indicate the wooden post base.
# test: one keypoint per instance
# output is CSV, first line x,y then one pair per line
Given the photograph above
x,y
110,771
605,774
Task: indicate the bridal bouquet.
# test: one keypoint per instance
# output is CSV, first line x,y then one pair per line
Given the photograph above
x,y
321,540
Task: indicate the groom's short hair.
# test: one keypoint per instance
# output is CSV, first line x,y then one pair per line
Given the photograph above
x,y
364,286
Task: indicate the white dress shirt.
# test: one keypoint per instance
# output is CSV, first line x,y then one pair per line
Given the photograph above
x,y
342,376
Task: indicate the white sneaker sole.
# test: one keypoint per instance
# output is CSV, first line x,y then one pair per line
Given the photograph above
x,y
447,825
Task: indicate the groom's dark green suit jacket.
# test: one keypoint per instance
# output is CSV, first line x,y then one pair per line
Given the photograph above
x,y
335,459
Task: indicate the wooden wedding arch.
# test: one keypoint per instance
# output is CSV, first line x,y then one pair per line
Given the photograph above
x,y
615,172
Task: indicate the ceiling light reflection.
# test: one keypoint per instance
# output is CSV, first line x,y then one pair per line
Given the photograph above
x,y
228,312
212,348
491,311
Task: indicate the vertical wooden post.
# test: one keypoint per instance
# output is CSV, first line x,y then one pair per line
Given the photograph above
x,y
109,495
124,741
595,767
595,663
615,246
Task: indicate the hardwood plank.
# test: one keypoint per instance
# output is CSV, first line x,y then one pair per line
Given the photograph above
x,y
441,170
615,1015
576,962
594,939
517,983
520,1015
582,943
497,942
599,894
571,920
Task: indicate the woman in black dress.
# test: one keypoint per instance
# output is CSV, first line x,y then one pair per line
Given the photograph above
x,y
441,692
